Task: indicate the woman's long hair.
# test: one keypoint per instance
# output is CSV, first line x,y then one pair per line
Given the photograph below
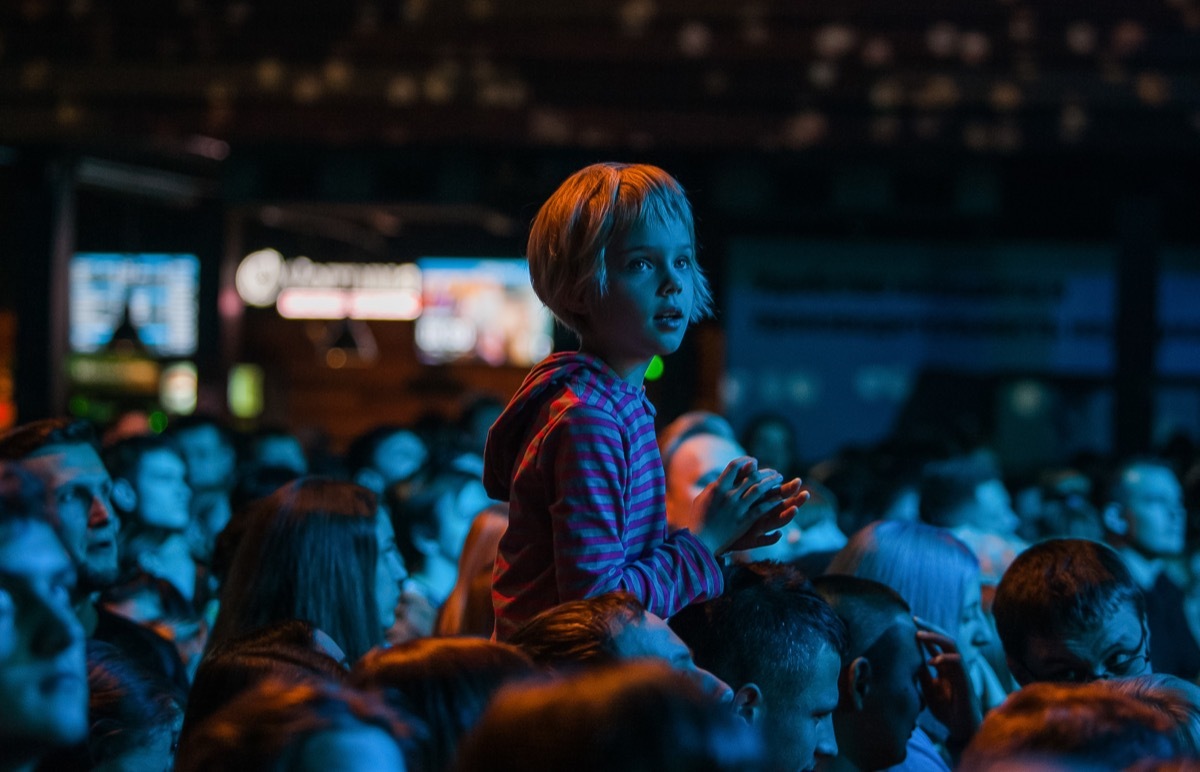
x,y
309,552
927,565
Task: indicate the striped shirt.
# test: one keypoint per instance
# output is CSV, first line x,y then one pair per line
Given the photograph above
x,y
576,457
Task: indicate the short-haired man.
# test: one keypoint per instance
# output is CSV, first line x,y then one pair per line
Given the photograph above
x,y
62,454
1144,520
384,456
885,679
604,629
965,495
1068,610
780,646
151,493
43,674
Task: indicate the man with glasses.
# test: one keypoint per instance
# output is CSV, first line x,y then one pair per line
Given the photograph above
x,y
1068,610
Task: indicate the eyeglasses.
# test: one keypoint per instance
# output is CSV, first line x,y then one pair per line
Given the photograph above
x,y
1121,664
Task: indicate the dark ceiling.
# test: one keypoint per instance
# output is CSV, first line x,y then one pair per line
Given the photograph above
x,y
996,77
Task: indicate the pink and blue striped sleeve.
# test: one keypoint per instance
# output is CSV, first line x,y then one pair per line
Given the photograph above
x,y
608,518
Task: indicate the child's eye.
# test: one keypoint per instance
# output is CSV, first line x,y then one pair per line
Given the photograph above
x,y
683,263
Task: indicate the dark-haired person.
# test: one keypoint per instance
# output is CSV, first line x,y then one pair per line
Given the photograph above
x,y
445,683
208,449
1145,521
632,716
1068,610
43,686
780,646
385,455
605,629
886,680
275,447
133,717
431,518
290,650
298,727
151,493
468,610
317,549
966,495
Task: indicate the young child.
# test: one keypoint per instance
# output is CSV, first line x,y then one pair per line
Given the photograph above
x,y
612,254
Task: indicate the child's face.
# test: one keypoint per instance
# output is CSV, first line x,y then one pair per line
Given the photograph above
x,y
651,286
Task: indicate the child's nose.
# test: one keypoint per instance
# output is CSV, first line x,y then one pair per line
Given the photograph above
x,y
672,282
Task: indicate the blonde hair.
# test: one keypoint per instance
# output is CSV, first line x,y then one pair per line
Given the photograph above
x,y
592,208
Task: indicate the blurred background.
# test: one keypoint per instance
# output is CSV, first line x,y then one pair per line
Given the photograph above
x,y
975,220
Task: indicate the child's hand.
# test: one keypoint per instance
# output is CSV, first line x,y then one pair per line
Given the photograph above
x,y
765,531
743,505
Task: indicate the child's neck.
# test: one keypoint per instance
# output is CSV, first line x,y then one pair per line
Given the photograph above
x,y
632,371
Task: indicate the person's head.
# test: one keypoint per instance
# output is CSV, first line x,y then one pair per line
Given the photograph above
x,y
290,650
444,682
477,417
431,516
1145,509
1174,697
966,490
1061,506
608,628
1069,610
208,450
1086,723
880,684
695,448
62,454
43,687
310,551
468,610
632,716
154,602
579,244
934,572
385,455
276,447
770,438
780,646
133,715
150,482
280,726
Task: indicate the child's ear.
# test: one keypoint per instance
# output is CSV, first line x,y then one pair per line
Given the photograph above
x,y
748,703
124,497
858,683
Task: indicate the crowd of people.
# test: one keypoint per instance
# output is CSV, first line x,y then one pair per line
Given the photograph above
x,y
558,583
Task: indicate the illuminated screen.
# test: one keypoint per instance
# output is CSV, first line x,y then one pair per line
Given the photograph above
x,y
161,290
480,310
